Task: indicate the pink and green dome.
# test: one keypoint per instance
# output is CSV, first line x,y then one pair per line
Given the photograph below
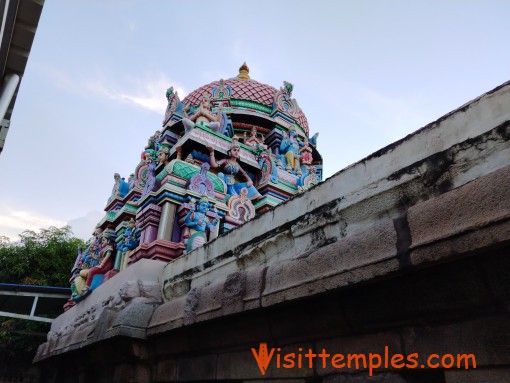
x,y
244,93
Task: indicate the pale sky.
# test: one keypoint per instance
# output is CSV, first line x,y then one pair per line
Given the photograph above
x,y
365,73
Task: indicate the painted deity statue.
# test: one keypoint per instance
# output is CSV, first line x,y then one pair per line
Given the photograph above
x,y
157,140
306,153
150,182
198,222
164,153
120,187
105,261
85,260
131,240
79,273
231,168
205,115
131,181
253,141
151,145
173,102
289,147
91,257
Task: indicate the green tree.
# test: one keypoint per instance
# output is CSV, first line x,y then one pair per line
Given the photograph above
x,y
44,259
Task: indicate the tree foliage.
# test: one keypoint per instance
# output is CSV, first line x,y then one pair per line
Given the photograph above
x,y
43,258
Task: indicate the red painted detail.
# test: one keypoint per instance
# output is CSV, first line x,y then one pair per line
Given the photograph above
x,y
110,274
160,250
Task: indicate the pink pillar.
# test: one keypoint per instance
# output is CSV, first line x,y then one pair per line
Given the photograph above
x,y
148,219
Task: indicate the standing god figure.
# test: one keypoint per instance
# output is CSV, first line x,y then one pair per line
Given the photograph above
x,y
289,147
198,222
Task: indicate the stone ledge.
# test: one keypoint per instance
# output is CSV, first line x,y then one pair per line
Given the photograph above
x,y
123,305
331,266
359,258
365,224
344,216
476,204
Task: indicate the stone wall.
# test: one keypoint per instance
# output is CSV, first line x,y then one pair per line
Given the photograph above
x,y
405,249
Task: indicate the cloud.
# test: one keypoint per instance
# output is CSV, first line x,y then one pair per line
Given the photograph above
x,y
13,222
147,92
84,226
131,26
143,96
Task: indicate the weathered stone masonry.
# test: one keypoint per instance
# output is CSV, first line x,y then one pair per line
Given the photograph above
x,y
407,249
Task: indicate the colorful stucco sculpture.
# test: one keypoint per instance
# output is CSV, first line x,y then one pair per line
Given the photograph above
x,y
230,150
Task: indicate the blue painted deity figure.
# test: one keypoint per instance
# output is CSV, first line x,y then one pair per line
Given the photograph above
x,y
198,222
131,236
230,169
131,240
91,258
289,147
120,187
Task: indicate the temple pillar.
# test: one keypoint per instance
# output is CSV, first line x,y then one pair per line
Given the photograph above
x,y
156,225
149,218
166,222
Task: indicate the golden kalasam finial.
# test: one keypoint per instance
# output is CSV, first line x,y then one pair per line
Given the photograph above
x,y
243,72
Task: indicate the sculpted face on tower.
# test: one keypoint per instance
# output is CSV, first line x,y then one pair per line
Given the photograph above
x,y
202,207
162,156
206,102
234,151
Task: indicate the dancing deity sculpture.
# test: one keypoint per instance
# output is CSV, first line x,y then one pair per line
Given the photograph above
x,y
231,168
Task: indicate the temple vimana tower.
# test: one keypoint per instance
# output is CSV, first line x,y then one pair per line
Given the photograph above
x,y
230,150
198,271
